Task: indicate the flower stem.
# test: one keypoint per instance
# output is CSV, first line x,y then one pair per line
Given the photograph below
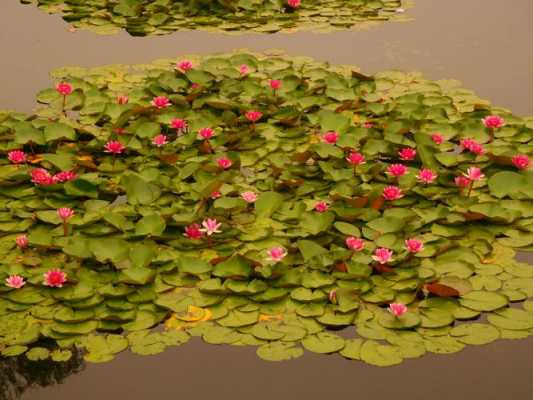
x,y
65,228
470,189
491,135
63,105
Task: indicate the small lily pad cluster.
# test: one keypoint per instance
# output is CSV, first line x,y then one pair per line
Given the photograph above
x,y
263,200
146,17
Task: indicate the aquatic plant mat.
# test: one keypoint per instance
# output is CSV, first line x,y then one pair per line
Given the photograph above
x,y
148,17
304,232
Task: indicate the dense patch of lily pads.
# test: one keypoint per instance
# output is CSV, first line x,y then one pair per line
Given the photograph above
x,y
262,200
148,17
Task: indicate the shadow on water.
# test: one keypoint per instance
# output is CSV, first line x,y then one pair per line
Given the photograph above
x,y
18,374
484,43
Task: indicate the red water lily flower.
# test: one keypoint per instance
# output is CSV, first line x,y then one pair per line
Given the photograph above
x,y
42,177
355,158
330,137
521,161
206,133
17,156
426,176
121,99
193,232
160,140
15,281
397,309
114,147
55,278
161,102
493,122
414,245
244,69
382,255
407,154
392,193
64,176
321,207
22,241
64,88
184,65
354,243
253,116
294,3
437,138
274,84
224,163
397,170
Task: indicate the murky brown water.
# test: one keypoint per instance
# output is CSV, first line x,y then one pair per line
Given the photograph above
x,y
484,43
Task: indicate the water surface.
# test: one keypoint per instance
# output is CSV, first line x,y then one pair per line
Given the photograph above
x,y
486,44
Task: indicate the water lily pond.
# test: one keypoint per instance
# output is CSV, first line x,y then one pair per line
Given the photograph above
x,y
263,217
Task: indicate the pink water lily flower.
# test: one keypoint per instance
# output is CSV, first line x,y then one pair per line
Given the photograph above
x,y
382,255
397,309
469,144
294,3
472,146
274,84
474,174
114,147
493,122
42,177
244,69
178,124
160,140
64,88
193,232
521,161
354,243
249,197
277,253
355,158
206,133
22,241
414,245
462,181
397,170
64,176
224,163
437,138
184,65
321,207
215,195
17,157
55,278
65,213
368,125
391,193
407,154
253,116
210,226
477,148
122,99
330,137
426,176
15,281
161,102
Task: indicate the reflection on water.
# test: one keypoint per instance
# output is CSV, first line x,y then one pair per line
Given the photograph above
x,y
18,374
484,43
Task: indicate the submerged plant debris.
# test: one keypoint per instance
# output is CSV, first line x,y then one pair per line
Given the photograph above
x,y
262,200
148,17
